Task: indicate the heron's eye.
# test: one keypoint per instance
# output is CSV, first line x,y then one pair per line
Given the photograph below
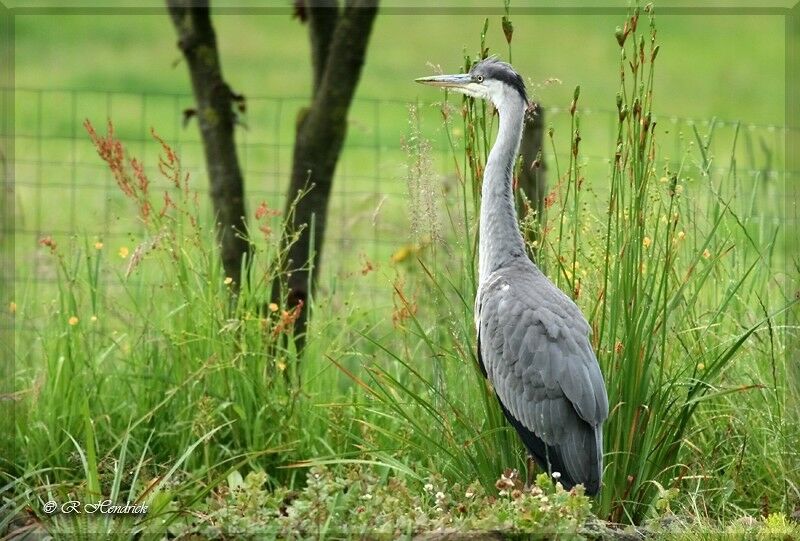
x,y
479,78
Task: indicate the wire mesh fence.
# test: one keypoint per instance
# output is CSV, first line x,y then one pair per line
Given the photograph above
x,y
62,189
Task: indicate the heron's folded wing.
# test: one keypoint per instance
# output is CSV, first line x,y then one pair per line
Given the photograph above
x,y
536,352
535,345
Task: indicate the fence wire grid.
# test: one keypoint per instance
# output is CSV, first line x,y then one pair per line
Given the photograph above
x,y
63,189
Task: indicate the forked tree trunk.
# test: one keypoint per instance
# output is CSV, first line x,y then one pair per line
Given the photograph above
x,y
216,118
338,48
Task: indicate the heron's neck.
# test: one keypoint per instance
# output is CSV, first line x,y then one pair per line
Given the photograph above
x,y
500,238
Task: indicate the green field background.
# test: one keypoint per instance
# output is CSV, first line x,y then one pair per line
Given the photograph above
x,y
126,67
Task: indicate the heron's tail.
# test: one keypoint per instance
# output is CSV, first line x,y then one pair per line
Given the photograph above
x,y
574,460
582,454
578,458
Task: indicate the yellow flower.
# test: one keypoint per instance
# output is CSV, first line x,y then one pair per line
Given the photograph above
x,y
228,281
273,307
706,253
404,252
73,320
93,319
12,307
98,245
701,366
646,242
681,235
123,252
401,254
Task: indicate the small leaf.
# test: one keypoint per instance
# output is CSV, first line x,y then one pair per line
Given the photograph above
x,y
300,11
188,113
621,35
235,480
508,29
655,53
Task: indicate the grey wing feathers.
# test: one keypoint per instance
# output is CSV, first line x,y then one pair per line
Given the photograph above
x,y
535,350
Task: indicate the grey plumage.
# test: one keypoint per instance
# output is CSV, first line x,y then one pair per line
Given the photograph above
x,y
534,349
533,341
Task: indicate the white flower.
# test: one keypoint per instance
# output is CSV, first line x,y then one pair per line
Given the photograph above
x,y
428,487
556,475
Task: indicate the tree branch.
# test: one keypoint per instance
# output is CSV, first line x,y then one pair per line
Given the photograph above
x,y
216,119
319,139
533,174
323,15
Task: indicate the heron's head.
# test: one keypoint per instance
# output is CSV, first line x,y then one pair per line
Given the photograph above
x,y
488,79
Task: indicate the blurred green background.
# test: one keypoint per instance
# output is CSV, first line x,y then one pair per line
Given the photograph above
x,y
730,66
126,67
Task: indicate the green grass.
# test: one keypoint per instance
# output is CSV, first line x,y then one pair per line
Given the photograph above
x,y
166,391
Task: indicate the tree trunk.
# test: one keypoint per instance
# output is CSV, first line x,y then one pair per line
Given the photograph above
x,y
216,118
533,174
339,44
322,19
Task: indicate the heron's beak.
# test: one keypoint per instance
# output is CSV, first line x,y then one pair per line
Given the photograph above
x,y
460,81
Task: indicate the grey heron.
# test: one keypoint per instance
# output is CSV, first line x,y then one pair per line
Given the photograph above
x,y
533,341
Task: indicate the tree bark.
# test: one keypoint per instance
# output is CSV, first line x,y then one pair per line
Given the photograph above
x,y
216,119
533,174
322,19
320,135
